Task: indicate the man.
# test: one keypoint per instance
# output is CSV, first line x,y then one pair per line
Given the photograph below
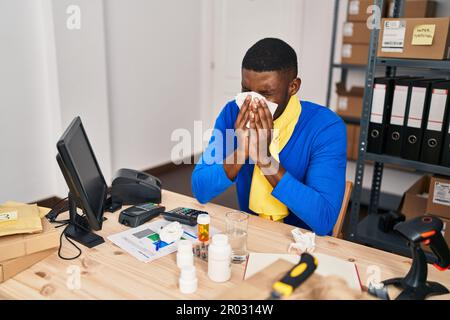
x,y
294,173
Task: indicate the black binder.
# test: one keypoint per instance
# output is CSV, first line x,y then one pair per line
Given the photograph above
x,y
434,126
445,158
395,131
380,112
417,108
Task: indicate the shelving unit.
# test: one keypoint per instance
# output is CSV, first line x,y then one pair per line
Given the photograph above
x,y
345,68
366,231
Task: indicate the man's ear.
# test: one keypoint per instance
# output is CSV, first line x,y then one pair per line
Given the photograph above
x,y
295,86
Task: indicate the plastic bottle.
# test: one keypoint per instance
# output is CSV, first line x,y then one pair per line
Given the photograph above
x,y
203,221
185,256
188,281
219,258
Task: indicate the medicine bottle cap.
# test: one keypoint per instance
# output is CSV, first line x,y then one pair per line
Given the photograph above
x,y
184,246
220,240
203,219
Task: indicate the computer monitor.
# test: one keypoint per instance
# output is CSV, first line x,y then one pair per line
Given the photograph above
x,y
87,186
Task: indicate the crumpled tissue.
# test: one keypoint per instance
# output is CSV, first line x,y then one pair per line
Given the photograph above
x,y
304,241
171,233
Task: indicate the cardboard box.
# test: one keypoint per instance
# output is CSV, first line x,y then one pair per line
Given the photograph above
x,y
349,101
355,54
350,140
415,9
20,245
438,203
356,33
357,10
10,268
414,201
356,142
415,38
446,230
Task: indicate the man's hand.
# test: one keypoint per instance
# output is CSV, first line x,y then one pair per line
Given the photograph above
x,y
234,162
261,125
241,130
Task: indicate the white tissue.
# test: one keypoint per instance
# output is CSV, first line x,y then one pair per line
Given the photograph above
x,y
304,242
240,98
171,233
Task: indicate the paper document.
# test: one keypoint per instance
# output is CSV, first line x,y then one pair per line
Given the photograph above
x,y
144,244
327,266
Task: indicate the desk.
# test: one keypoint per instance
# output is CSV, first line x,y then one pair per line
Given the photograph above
x,y
109,273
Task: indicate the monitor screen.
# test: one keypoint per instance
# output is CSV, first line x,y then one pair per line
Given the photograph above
x,y
83,174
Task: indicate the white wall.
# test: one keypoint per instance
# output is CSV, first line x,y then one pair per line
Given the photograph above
x,y
130,100
27,154
154,51
82,74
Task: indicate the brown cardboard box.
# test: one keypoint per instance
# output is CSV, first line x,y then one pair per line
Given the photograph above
x,y
356,33
10,268
414,38
19,245
438,203
415,9
349,101
414,201
356,143
355,54
350,140
357,10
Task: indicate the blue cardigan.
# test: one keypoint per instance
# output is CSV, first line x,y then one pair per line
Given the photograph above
x,y
314,158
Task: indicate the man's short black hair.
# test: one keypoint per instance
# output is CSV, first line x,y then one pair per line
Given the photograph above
x,y
270,54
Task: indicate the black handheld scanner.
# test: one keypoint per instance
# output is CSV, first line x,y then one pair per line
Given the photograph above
x,y
427,230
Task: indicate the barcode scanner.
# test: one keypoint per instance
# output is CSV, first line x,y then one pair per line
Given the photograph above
x,y
427,230
421,230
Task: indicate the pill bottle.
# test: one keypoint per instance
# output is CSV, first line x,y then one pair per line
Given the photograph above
x,y
188,281
203,221
185,255
219,258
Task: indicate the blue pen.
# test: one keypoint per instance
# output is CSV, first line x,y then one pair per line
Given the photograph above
x,y
158,244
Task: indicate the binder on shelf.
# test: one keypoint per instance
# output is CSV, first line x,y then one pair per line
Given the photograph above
x,y
417,108
434,125
445,158
380,113
395,131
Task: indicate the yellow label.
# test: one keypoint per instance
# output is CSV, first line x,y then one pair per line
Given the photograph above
x,y
423,35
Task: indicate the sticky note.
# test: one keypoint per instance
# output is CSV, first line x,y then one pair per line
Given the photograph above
x,y
423,35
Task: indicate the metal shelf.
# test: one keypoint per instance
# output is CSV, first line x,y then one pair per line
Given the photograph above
x,y
350,120
420,166
368,233
349,66
414,63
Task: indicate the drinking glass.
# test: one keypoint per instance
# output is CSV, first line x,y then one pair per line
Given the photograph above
x,y
236,229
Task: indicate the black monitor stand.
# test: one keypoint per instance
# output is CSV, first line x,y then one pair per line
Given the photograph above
x,y
78,228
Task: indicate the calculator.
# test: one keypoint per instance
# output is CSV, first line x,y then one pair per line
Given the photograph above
x,y
183,215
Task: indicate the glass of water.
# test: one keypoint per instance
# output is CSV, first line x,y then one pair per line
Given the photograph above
x,y
236,229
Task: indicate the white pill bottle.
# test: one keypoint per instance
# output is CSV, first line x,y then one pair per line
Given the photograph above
x,y
219,258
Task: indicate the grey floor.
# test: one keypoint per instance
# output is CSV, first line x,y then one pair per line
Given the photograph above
x,y
179,180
